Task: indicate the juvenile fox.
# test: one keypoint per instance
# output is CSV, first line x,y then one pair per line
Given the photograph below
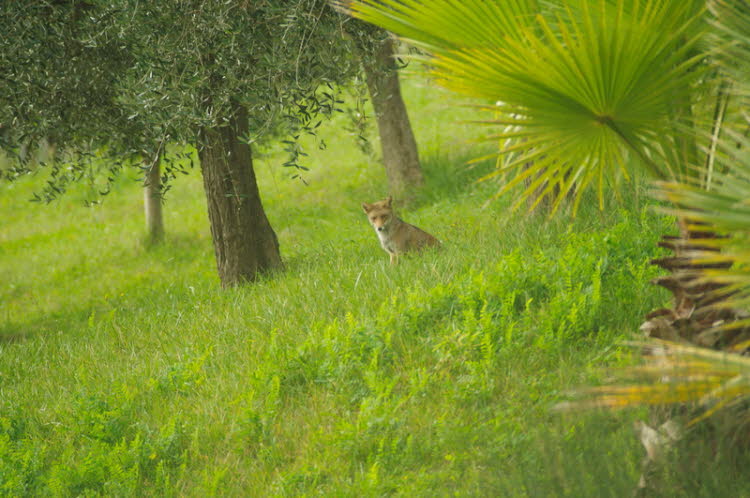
x,y
396,236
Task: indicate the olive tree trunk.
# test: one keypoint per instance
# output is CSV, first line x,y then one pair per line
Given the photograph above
x,y
152,200
245,245
400,155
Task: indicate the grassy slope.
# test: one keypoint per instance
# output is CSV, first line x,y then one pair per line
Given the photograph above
x,y
128,370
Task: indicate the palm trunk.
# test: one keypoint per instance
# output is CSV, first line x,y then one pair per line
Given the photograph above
x,y
400,155
693,316
152,200
245,245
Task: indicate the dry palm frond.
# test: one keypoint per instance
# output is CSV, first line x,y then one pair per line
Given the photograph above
x,y
720,252
673,373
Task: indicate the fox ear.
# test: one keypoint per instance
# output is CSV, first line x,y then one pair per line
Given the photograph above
x,y
366,207
388,201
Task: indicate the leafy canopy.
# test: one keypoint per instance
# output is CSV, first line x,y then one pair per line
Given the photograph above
x,y
122,78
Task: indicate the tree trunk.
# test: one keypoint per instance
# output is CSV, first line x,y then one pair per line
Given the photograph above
x,y
693,315
400,155
245,245
152,200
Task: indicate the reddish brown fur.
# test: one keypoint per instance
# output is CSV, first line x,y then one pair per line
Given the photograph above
x,y
396,236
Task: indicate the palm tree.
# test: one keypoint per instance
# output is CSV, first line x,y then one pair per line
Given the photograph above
x,y
586,91
710,272
583,92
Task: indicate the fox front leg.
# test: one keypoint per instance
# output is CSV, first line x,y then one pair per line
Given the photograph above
x,y
394,258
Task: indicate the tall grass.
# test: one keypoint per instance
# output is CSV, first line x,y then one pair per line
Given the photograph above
x,y
126,370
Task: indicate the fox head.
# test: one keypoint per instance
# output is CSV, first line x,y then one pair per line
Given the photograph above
x,y
380,214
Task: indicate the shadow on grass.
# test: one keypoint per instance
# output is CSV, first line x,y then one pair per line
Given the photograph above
x,y
448,177
9,334
13,332
130,279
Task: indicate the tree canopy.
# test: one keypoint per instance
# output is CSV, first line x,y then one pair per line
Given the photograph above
x,y
123,77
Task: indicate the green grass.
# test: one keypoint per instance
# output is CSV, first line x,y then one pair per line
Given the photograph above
x,y
127,370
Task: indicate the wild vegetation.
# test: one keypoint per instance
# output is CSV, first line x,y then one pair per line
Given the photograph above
x,y
583,90
126,80
128,370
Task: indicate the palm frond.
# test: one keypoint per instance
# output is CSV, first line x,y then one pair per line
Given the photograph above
x,y
732,36
721,218
433,25
595,82
674,373
716,261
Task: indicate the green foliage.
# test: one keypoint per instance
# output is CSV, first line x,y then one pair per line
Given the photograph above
x,y
342,375
577,93
109,449
270,57
718,205
714,208
125,79
60,63
722,211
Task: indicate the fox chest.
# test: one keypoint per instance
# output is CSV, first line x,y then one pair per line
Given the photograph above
x,y
386,243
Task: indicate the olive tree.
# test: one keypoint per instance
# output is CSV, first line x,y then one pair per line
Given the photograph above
x,y
125,77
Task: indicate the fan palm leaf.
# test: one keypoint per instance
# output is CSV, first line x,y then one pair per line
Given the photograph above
x,y
732,34
717,259
723,207
579,90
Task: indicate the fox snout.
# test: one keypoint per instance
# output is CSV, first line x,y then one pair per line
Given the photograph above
x,y
380,223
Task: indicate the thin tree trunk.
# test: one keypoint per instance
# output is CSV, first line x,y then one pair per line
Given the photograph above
x,y
152,200
400,155
245,245
48,150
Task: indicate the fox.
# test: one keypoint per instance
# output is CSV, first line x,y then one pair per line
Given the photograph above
x,y
396,236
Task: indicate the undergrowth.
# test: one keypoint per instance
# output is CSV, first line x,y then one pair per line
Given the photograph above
x,y
126,370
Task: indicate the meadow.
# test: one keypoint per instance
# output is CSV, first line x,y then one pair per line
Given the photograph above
x,y
126,370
